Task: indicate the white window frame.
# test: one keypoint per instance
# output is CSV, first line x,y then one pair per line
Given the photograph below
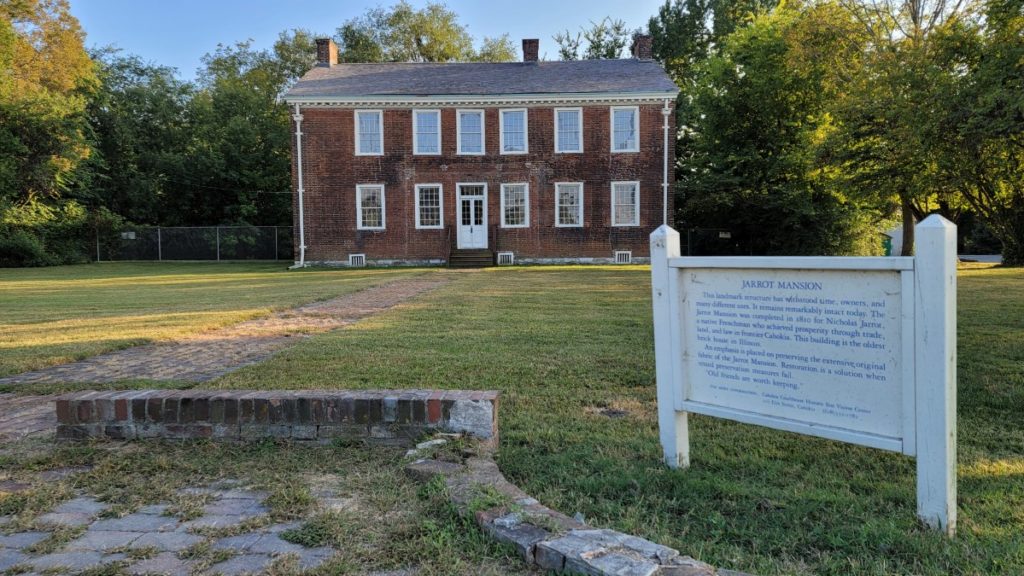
x,y
526,205
416,135
380,121
359,207
440,205
558,206
501,130
458,132
579,111
611,129
636,204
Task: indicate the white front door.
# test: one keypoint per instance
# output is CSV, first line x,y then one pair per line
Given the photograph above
x,y
472,216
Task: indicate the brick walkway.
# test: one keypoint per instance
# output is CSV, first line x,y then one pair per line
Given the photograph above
x,y
202,357
206,356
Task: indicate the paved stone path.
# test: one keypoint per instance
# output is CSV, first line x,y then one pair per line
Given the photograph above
x,y
171,545
206,356
202,357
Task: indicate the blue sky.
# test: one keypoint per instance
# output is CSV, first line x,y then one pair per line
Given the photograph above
x,y
179,32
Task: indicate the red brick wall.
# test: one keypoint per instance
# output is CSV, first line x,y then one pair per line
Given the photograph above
x,y
332,172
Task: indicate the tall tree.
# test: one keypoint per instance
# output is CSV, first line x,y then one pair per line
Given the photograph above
x,y
882,115
756,108
402,33
604,40
44,85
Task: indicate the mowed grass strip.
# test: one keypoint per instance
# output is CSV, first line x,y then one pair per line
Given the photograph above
x,y
61,314
572,351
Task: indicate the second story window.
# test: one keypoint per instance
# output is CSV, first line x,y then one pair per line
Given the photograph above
x,y
626,129
426,132
514,132
568,130
369,133
470,131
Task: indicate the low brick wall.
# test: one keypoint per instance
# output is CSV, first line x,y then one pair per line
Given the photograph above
x,y
385,416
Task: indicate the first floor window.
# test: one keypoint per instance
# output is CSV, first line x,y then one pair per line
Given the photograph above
x,y
370,207
369,132
569,204
625,203
624,129
515,205
428,206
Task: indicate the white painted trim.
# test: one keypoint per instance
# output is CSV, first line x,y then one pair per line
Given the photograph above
x,y
458,132
380,120
501,131
611,129
415,133
579,111
458,212
526,199
359,207
407,101
797,262
301,191
636,204
440,198
581,211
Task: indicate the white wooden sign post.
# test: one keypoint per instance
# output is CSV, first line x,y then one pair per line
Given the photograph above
x,y
860,350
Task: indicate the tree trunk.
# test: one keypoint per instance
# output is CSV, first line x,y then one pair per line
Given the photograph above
x,y
1013,252
908,226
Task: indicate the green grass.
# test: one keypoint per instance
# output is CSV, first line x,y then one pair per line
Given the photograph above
x,y
61,314
565,345
388,522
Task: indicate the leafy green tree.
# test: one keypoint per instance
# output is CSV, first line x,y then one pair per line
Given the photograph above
x,y
756,109
978,129
45,82
402,33
604,40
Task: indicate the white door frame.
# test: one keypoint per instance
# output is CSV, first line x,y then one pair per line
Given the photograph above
x,y
458,215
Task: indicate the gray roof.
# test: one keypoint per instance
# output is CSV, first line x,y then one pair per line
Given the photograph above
x,y
483,79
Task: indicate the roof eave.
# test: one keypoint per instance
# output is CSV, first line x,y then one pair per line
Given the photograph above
x,y
412,100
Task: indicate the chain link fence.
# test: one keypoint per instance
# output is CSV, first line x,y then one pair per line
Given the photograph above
x,y
196,243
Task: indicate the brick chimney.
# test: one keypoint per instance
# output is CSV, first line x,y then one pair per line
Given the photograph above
x,y
530,48
326,52
642,47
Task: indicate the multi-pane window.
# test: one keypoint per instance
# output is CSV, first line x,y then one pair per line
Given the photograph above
x,y
513,132
625,129
470,131
568,130
515,205
370,207
428,205
426,130
625,203
569,204
369,132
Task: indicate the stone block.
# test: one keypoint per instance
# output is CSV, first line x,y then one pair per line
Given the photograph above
x,y
136,522
188,431
102,540
332,431
165,563
244,564
304,432
167,541
226,432
10,558
119,431
149,430
22,539
78,561
78,431
474,417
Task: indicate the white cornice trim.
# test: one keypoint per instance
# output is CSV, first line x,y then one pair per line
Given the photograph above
x,y
404,101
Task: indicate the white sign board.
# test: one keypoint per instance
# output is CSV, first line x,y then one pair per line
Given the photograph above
x,y
831,347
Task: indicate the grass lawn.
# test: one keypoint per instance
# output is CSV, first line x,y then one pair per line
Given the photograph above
x,y
57,315
569,346
384,520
